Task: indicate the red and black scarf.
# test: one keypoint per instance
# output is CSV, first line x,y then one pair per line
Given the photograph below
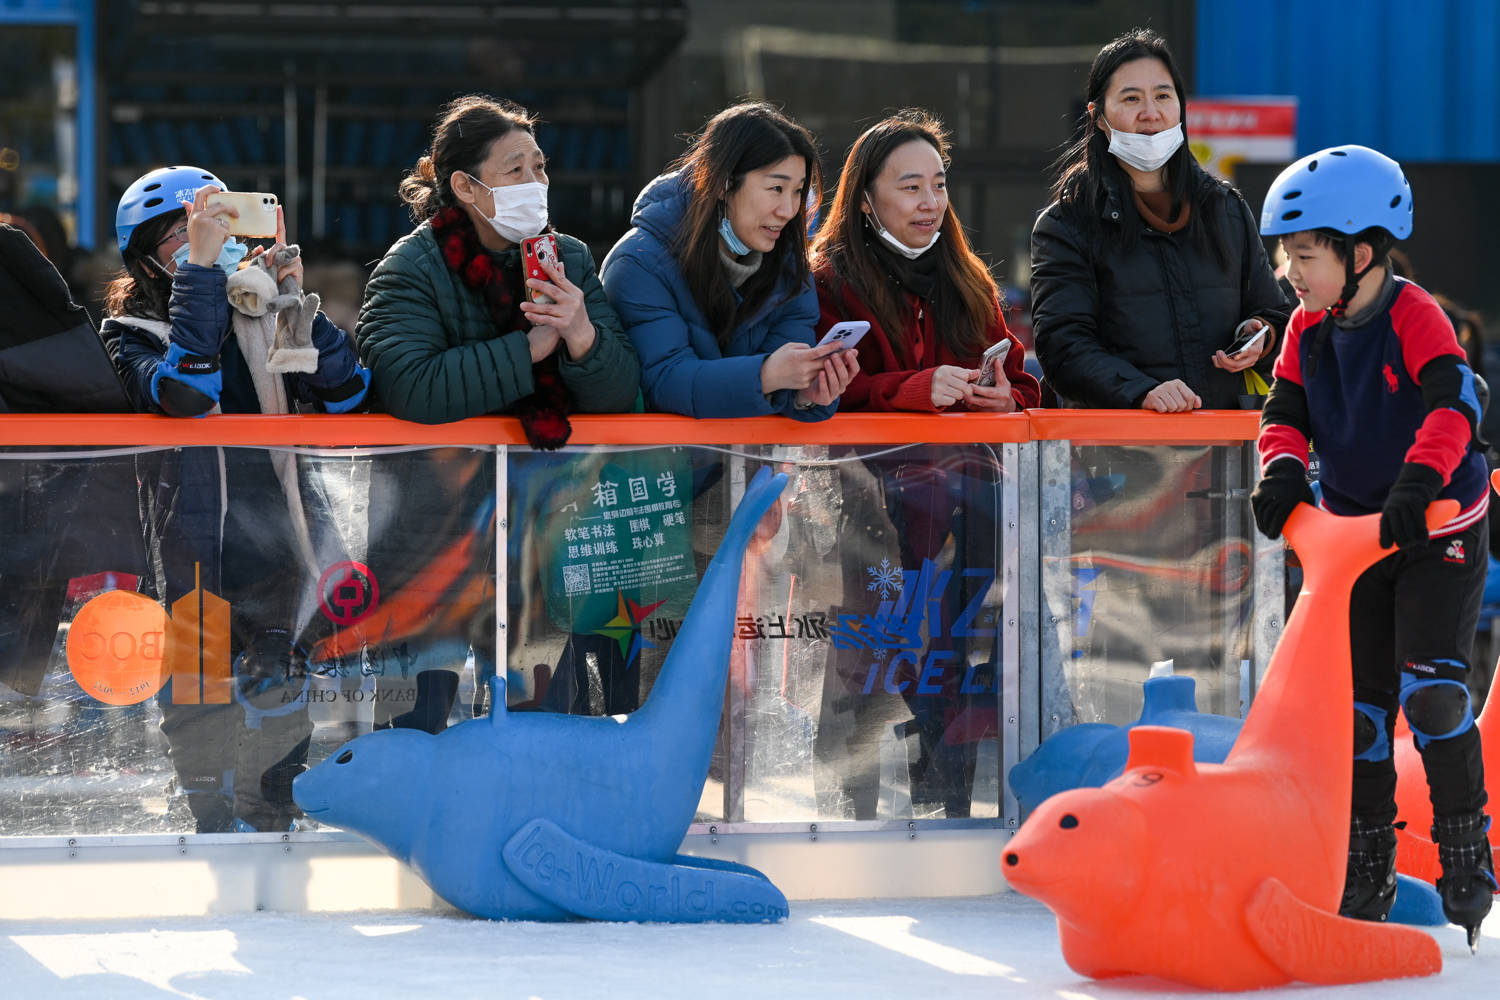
x,y
544,413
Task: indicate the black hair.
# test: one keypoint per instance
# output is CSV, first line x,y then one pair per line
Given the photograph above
x,y
143,287
1087,168
736,141
965,301
1378,238
466,129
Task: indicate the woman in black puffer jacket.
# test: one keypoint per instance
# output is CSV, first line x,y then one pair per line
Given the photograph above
x,y
1144,268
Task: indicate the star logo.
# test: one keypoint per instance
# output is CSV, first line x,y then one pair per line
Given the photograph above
x,y
625,626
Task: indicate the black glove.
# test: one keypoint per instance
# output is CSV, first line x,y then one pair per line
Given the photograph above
x,y
1280,490
1403,516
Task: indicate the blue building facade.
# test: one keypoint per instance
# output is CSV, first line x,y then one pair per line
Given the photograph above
x,y
1419,81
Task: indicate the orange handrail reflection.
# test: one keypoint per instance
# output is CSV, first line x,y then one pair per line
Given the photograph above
x,y
372,430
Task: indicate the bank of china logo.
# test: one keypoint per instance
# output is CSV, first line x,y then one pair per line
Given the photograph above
x,y
123,647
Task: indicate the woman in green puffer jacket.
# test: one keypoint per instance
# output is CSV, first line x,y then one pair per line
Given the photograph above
x,y
448,328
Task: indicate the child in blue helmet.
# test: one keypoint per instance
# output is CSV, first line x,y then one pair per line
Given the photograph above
x,y
167,322
250,526
1372,376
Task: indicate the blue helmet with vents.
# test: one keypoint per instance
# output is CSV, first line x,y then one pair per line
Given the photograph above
x,y
1344,188
161,191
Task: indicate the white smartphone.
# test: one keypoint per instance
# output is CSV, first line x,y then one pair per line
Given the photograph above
x,y
845,334
257,212
993,358
1246,343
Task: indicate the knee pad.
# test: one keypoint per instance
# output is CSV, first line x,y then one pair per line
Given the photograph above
x,y
1435,698
1370,740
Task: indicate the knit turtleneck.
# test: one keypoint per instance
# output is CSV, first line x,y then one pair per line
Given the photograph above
x,y
919,277
1156,211
740,270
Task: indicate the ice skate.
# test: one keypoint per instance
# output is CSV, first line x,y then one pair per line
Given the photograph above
x,y
1468,881
1370,882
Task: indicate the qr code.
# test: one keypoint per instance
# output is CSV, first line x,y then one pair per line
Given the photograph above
x,y
575,579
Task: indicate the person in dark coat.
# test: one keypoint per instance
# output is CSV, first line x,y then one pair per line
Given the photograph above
x,y
1145,269
59,519
249,526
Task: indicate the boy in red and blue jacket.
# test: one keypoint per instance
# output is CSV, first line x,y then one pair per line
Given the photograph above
x,y
1372,376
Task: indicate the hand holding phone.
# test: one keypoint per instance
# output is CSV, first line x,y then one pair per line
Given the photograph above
x,y
845,334
534,252
256,212
994,358
1246,341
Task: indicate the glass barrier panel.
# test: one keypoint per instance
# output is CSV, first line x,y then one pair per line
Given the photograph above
x,y
182,630
1159,568
863,682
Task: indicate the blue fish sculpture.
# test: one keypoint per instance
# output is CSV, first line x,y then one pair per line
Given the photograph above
x,y
1092,754
534,816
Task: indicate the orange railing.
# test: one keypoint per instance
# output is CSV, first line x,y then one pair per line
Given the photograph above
x,y
370,430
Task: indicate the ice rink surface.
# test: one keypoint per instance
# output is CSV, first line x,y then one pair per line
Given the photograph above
x,y
1002,946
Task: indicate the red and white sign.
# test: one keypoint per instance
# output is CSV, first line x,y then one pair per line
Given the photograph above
x,y
1225,131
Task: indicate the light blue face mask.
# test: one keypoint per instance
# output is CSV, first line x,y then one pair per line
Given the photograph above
x,y
734,243
229,257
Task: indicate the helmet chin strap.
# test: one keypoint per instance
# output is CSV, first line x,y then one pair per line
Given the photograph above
x,y
1351,280
1339,308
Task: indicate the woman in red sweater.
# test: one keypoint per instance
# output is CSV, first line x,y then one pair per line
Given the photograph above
x,y
892,252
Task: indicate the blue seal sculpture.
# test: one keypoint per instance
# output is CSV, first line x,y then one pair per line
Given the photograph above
x,y
1092,754
533,816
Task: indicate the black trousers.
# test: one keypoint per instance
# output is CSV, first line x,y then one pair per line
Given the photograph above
x,y
1420,605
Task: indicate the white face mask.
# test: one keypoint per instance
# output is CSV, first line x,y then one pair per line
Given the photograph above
x,y
1145,152
910,253
520,209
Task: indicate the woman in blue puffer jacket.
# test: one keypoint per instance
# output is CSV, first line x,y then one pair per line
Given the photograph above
x,y
712,282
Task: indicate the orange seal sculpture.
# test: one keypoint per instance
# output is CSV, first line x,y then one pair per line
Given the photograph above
x,y
1228,876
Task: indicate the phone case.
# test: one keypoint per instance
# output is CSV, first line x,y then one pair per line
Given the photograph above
x,y
257,212
533,252
845,334
994,356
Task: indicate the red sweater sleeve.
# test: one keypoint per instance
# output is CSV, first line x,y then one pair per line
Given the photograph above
x,y
885,381
1281,435
1425,334
895,373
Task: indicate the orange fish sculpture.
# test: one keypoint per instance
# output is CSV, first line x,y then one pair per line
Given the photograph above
x,y
1228,876
1416,854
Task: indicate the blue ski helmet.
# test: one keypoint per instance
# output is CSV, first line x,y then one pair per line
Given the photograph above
x,y
156,193
1345,188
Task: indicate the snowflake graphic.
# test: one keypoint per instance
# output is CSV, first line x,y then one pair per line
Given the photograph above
x,y
885,579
